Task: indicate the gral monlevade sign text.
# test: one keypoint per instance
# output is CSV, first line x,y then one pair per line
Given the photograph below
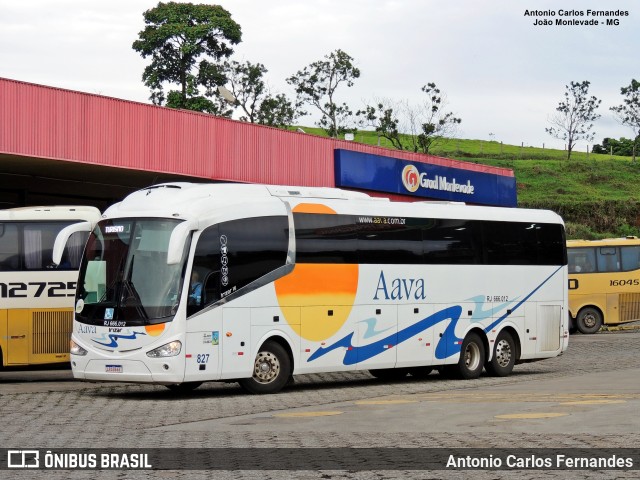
x,y
393,175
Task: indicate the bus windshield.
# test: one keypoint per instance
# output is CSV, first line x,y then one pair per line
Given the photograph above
x,y
124,277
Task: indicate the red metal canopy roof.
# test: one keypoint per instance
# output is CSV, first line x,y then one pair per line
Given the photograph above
x,y
52,123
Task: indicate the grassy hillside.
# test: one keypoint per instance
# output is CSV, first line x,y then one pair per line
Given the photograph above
x,y
597,195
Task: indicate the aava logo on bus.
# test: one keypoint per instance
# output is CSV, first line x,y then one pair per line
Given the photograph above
x,y
412,179
399,288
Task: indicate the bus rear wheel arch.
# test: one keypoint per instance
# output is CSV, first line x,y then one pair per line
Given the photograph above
x,y
272,369
589,320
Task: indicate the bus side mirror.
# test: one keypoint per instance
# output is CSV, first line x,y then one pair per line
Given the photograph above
x,y
177,240
63,238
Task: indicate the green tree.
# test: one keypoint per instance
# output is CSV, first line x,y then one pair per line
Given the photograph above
x,y
628,113
422,125
574,116
252,96
246,82
622,147
186,43
384,120
278,111
316,85
432,121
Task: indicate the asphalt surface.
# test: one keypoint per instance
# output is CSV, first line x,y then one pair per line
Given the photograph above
x,y
587,398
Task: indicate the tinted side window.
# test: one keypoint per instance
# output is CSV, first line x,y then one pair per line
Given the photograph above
x,y
517,243
72,254
448,241
325,238
630,257
551,245
204,286
231,255
9,247
389,244
608,260
582,260
29,246
510,243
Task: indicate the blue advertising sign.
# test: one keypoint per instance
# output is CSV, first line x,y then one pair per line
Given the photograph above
x,y
393,175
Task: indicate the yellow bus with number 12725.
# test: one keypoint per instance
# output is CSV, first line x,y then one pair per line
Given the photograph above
x,y
36,296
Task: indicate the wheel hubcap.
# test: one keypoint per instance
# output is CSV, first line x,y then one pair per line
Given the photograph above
x,y
590,321
472,356
266,368
503,353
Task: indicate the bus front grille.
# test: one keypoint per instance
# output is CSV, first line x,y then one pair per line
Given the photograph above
x,y
629,306
52,331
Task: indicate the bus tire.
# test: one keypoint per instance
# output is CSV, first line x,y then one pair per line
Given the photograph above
x,y
271,370
390,373
185,387
504,356
589,320
471,357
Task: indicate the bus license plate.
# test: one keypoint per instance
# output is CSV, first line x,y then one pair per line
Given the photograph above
x,y
113,368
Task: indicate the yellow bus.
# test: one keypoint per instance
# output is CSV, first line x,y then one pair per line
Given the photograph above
x,y
36,296
604,282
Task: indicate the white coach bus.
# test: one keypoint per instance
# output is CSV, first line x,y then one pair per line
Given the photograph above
x,y
186,283
36,296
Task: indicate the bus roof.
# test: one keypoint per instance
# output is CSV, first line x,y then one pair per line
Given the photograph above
x,y
606,242
50,213
204,200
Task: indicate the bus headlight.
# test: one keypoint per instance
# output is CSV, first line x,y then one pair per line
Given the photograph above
x,y
170,349
76,349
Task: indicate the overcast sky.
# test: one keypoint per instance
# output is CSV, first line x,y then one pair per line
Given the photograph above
x,y
501,74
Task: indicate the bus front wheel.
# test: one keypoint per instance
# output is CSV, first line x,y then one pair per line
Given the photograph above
x,y
589,320
271,370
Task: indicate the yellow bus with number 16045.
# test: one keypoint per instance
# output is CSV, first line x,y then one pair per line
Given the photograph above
x,y
604,282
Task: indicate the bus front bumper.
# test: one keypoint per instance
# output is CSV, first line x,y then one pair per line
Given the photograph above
x,y
116,370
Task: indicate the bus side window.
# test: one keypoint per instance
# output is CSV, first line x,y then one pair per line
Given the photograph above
x,y
9,247
206,264
608,260
581,260
231,255
73,251
630,257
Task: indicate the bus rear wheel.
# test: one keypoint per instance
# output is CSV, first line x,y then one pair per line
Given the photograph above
x,y
471,357
271,370
504,356
589,320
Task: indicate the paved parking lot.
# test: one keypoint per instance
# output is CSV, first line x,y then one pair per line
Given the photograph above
x,y
587,398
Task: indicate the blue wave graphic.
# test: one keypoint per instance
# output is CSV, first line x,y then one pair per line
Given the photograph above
x,y
371,328
114,337
448,345
479,312
354,355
